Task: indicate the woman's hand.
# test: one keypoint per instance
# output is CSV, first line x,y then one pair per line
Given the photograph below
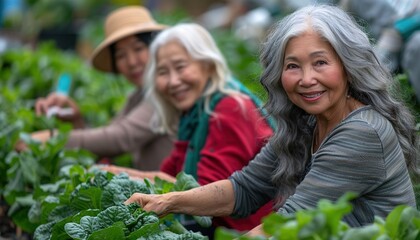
x,y
151,202
41,136
58,102
214,199
258,231
137,174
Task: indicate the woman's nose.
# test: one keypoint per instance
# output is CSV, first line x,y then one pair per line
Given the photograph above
x,y
132,59
174,78
307,78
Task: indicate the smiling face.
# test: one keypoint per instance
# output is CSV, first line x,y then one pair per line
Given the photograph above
x,y
179,78
313,76
131,56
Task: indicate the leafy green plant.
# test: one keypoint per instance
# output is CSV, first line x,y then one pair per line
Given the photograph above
x,y
408,95
30,74
243,60
325,222
29,171
48,188
95,209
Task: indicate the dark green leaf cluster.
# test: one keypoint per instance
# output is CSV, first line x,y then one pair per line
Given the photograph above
x,y
95,210
120,188
117,219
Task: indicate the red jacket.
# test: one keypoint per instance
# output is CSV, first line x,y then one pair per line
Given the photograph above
x,y
236,134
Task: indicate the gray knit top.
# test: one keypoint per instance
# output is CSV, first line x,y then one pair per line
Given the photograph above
x,y
361,154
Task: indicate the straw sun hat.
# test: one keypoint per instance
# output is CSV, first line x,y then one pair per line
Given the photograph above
x,y
121,23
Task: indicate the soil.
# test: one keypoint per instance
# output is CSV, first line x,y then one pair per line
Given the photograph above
x,y
8,230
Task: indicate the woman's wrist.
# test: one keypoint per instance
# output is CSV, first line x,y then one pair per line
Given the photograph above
x,y
78,122
171,200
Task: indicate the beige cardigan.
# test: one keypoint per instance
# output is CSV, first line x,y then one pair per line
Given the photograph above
x,y
129,132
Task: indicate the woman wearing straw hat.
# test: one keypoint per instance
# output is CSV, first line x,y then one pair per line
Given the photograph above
x,y
129,31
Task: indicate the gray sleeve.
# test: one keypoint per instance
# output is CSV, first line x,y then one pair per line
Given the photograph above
x,y
350,159
127,134
252,185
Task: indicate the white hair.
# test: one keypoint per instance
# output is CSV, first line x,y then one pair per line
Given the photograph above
x,y
200,45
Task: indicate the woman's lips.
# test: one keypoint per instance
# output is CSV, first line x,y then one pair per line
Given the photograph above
x,y
179,94
312,96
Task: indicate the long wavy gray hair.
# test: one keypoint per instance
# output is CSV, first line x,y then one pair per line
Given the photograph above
x,y
369,83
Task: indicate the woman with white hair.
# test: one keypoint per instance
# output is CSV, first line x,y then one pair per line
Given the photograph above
x,y
220,126
340,129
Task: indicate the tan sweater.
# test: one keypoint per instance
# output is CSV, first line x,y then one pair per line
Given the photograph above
x,y
129,132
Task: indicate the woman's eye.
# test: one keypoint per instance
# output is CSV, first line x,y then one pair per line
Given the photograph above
x,y
320,62
139,48
119,56
180,67
161,72
291,66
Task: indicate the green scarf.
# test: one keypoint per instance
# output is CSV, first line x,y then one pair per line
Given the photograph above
x,y
193,126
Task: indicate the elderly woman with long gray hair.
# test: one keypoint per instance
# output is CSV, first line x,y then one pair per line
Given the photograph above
x,y
340,129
